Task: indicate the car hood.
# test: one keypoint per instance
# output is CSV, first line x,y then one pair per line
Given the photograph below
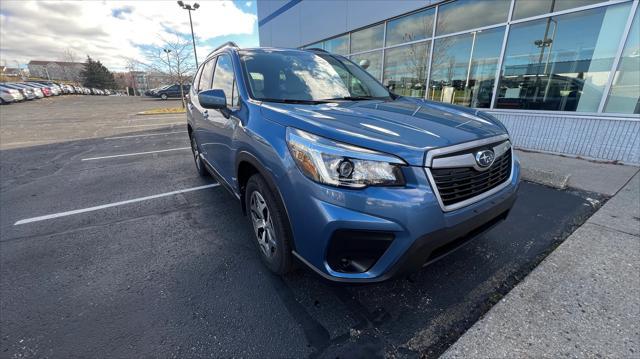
x,y
404,127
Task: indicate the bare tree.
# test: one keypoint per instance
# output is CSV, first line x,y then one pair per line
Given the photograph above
x,y
69,56
177,61
71,72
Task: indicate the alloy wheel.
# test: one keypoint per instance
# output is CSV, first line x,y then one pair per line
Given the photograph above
x,y
196,153
263,225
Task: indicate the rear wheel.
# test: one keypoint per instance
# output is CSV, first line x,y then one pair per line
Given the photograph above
x,y
196,157
164,96
269,225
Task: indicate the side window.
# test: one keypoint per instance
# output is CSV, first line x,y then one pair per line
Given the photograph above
x,y
205,79
223,77
196,78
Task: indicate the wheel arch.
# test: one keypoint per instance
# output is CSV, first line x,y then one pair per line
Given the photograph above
x,y
246,166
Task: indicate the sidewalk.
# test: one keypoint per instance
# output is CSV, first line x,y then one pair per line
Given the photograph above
x,y
583,300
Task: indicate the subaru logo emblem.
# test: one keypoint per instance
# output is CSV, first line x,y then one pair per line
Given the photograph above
x,y
485,158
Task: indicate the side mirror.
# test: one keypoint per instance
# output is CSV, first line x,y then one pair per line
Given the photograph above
x,y
213,99
364,64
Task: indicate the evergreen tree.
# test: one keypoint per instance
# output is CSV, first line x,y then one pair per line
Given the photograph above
x,y
95,74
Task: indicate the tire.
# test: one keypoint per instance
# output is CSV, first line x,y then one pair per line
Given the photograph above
x,y
164,96
195,150
273,240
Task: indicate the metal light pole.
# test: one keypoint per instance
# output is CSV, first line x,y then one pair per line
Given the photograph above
x,y
167,51
190,8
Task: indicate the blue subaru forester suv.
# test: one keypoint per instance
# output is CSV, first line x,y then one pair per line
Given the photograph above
x,y
331,168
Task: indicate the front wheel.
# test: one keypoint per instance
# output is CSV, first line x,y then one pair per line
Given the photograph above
x,y
196,157
269,225
164,96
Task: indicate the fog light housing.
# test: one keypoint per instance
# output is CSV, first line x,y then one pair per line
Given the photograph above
x,y
356,251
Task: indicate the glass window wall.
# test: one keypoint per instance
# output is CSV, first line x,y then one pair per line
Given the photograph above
x,y
557,63
409,28
463,15
338,45
367,39
624,96
405,69
370,61
317,45
464,67
529,8
561,63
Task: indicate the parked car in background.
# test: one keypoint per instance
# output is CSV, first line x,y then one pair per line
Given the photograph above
x,y
53,87
45,88
10,95
152,92
46,91
27,93
36,90
172,91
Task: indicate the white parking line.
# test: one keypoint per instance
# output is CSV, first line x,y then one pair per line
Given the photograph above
x,y
157,124
147,135
136,154
108,205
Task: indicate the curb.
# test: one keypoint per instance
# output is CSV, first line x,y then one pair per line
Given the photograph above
x,y
547,178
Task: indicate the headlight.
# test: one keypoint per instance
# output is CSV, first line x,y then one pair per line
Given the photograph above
x,y
339,164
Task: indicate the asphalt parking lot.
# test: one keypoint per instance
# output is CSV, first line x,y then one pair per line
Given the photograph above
x,y
113,273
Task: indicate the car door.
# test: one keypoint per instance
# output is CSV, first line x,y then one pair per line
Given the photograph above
x,y
222,123
173,91
198,112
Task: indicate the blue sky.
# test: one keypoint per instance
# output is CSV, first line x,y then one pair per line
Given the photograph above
x,y
114,31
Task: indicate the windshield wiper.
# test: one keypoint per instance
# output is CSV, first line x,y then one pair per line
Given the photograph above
x,y
291,100
354,98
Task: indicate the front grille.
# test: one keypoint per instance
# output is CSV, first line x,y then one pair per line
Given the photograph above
x,y
459,184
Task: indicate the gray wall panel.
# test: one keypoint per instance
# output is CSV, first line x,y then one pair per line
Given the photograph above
x,y
285,29
264,32
264,9
321,19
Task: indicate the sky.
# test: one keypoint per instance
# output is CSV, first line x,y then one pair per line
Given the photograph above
x,y
111,31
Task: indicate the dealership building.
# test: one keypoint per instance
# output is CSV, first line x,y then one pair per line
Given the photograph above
x,y
562,75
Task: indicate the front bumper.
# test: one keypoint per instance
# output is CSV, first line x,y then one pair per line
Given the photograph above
x,y
422,232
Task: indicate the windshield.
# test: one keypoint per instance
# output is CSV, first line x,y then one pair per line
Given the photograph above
x,y
300,76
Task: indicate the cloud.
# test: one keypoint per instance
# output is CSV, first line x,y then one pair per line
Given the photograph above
x,y
110,30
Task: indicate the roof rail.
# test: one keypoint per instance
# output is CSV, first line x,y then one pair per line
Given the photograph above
x,y
228,43
317,49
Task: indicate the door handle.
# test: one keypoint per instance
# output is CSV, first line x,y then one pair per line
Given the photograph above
x,y
205,114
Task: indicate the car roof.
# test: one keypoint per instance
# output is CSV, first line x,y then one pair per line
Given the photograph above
x,y
232,47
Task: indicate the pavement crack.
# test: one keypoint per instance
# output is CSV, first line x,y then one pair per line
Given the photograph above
x,y
613,229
